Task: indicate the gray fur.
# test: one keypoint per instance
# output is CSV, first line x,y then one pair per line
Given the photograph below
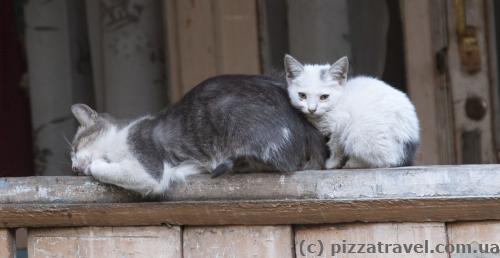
x,y
410,150
293,68
225,124
325,74
338,71
84,114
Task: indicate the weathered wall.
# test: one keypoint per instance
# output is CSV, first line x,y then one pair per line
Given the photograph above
x,y
136,242
332,240
126,39
59,76
6,243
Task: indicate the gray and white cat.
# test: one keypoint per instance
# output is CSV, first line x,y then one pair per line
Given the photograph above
x,y
370,123
225,124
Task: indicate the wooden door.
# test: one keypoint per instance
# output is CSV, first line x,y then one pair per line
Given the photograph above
x,y
449,79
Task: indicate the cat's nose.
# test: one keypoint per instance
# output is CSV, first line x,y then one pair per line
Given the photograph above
x,y
312,110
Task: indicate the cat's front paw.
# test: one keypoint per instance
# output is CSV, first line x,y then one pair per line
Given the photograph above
x,y
81,166
333,163
96,165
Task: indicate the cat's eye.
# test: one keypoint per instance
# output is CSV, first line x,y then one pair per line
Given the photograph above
x,y
302,95
324,96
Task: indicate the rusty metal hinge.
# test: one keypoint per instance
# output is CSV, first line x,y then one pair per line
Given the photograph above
x,y
468,46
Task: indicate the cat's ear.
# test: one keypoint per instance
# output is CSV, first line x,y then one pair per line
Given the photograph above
x,y
338,70
85,115
293,68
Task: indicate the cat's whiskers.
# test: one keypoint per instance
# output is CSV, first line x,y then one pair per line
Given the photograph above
x,y
69,145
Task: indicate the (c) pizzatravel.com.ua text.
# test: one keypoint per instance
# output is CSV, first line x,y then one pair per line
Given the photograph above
x,y
322,248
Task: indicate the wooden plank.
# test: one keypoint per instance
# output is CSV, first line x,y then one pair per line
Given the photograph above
x,y
465,85
191,39
263,212
238,241
236,36
327,241
492,43
170,19
425,34
137,242
441,193
7,246
474,236
475,181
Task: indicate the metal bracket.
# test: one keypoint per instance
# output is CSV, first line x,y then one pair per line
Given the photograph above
x,y
468,45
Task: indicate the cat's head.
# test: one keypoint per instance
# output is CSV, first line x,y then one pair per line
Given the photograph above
x,y
315,89
86,143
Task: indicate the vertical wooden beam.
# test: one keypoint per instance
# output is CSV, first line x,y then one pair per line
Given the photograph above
x,y
238,241
138,242
474,138
425,33
209,37
311,240
191,44
172,48
236,36
493,42
7,247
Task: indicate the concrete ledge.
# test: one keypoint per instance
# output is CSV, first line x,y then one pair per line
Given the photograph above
x,y
436,193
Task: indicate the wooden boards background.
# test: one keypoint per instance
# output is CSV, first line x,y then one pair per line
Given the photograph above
x,y
7,246
137,242
238,241
333,237
209,37
427,83
428,239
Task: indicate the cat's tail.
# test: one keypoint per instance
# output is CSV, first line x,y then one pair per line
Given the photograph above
x,y
225,167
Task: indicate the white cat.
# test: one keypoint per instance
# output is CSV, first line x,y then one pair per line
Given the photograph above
x,y
370,123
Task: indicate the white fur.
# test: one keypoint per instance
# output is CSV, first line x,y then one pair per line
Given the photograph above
x,y
310,83
367,120
286,134
110,160
271,150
